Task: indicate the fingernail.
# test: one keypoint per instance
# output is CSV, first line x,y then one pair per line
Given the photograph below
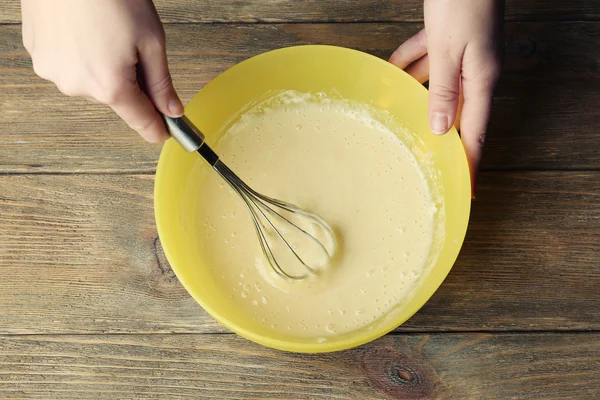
x,y
175,107
439,123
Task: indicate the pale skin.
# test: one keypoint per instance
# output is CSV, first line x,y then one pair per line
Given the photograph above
x,y
114,52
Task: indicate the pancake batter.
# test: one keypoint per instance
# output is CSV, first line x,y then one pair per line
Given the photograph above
x,y
340,163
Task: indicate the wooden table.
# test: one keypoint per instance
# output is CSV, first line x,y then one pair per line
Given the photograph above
x,y
89,307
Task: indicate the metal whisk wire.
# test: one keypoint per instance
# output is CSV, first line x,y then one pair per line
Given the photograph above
x,y
259,205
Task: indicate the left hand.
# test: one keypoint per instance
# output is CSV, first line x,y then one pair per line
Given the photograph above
x,y
459,53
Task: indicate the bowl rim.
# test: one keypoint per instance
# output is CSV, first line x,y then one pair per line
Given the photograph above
x,y
298,347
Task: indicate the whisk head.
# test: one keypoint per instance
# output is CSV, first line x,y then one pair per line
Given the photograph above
x,y
295,242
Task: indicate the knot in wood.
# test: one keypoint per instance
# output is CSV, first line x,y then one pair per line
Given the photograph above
x,y
161,261
522,47
397,375
404,375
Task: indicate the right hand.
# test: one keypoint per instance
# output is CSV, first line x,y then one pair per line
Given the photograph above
x,y
104,50
460,48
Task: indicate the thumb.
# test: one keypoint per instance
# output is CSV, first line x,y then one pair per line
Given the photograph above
x,y
444,89
157,82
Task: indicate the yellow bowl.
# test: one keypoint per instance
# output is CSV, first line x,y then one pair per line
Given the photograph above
x,y
355,76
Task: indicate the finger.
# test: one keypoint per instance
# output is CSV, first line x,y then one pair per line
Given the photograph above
x,y
444,75
475,115
136,109
445,48
419,69
411,50
157,79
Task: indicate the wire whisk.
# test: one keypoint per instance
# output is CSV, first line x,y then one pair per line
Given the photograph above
x,y
295,242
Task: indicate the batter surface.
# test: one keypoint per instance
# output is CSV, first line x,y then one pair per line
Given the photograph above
x,y
340,163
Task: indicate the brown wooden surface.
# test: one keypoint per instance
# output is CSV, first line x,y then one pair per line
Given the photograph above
x,y
549,66
448,366
252,11
90,309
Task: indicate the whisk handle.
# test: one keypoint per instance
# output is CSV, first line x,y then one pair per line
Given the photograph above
x,y
184,132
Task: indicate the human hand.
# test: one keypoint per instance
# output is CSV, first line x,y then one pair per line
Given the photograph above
x,y
459,52
104,50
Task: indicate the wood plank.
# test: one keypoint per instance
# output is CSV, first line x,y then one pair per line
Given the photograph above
x,y
205,11
440,366
79,254
531,258
545,114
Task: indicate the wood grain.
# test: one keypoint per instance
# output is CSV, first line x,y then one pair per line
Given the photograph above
x,y
90,308
440,366
205,11
545,116
79,254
